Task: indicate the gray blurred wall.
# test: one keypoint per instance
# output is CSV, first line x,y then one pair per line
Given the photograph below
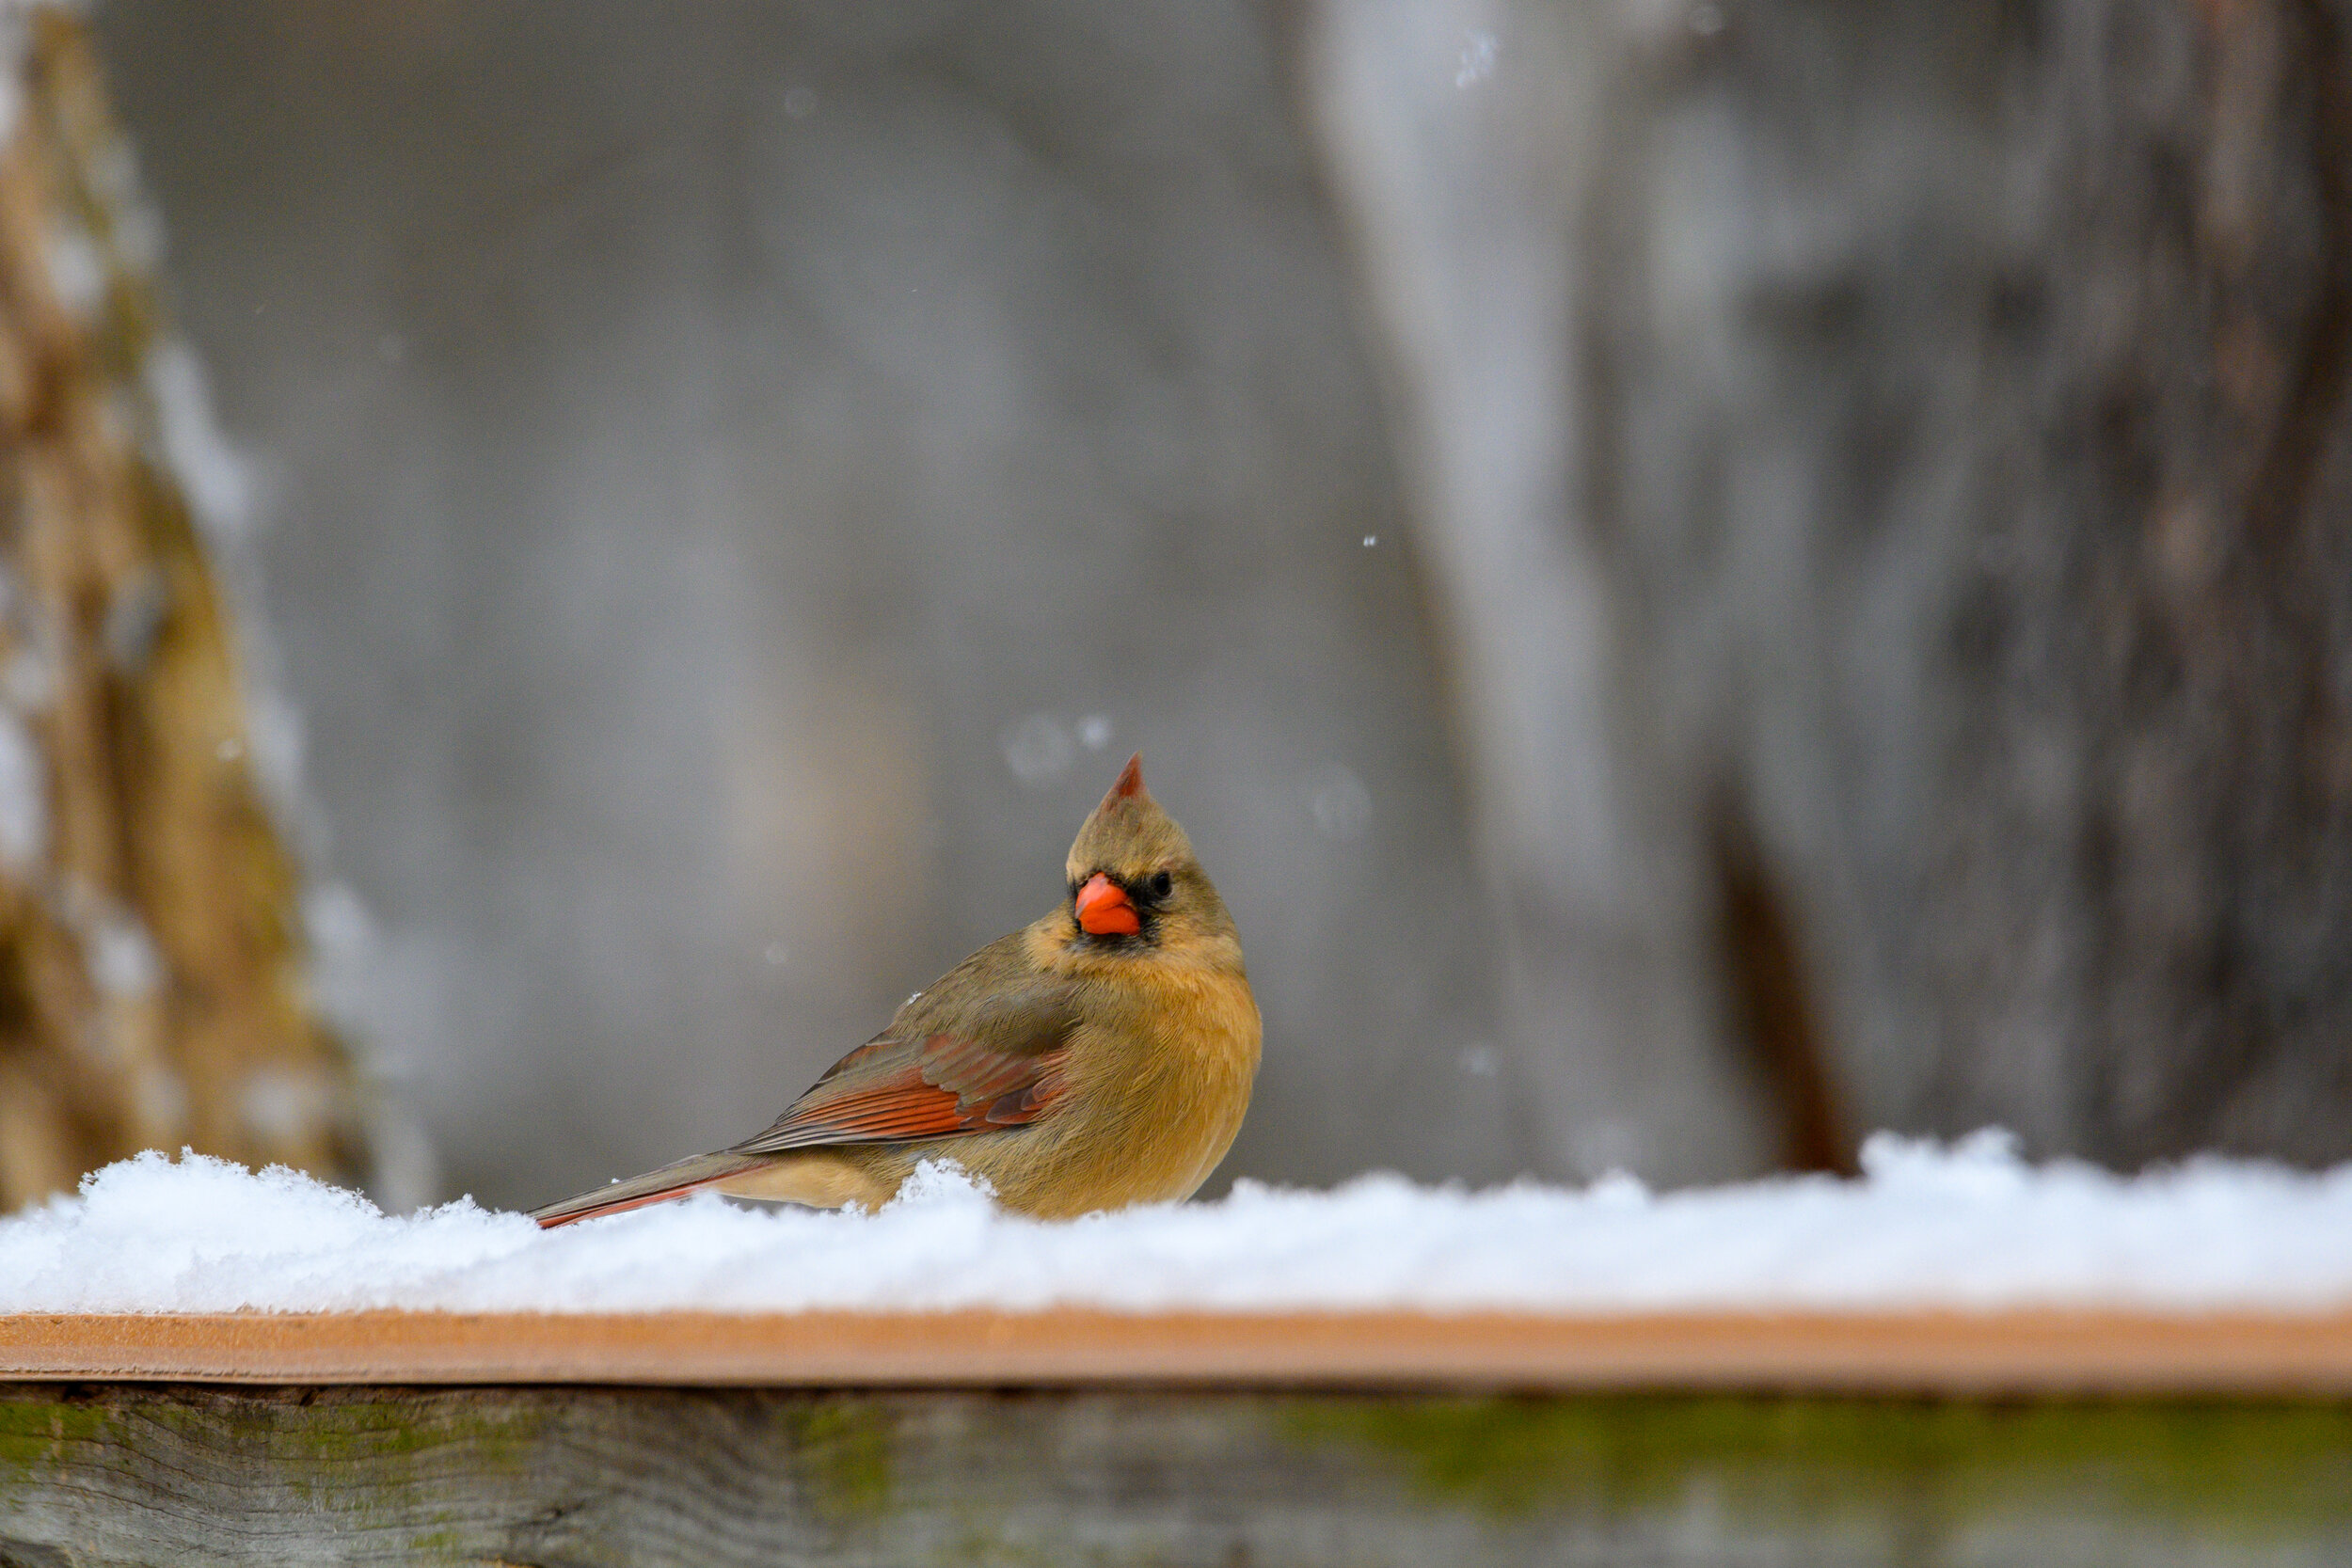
x,y
737,480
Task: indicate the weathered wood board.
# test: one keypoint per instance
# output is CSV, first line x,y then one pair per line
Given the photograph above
x,y
580,1476
1105,1439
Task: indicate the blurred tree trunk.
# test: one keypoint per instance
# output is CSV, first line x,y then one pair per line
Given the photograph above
x,y
1885,478
151,990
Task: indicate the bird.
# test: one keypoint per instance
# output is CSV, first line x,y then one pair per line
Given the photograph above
x,y
1103,1055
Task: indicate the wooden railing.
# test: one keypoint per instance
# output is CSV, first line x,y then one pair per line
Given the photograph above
x,y
2037,1439
1985,1354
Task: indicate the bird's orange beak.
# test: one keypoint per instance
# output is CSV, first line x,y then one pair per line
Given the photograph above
x,y
1103,909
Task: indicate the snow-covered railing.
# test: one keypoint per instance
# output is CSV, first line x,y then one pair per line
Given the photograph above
x,y
1955,1269
201,1365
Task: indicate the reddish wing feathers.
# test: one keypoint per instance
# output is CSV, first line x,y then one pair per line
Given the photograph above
x,y
937,1089
904,1108
939,1085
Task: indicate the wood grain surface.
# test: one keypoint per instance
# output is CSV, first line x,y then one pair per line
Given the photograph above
x,y
1943,1352
583,1477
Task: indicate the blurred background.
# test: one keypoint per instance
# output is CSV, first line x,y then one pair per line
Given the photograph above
x,y
1706,576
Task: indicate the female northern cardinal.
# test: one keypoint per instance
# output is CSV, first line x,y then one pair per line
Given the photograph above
x,y
1101,1056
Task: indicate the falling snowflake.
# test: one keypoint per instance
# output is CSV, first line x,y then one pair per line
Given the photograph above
x,y
1478,59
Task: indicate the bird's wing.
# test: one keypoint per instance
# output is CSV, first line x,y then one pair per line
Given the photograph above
x,y
937,1073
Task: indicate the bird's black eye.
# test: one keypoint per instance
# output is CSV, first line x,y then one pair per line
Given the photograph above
x,y
1161,883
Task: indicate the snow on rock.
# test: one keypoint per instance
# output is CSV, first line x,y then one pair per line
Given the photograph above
x,y
1968,1227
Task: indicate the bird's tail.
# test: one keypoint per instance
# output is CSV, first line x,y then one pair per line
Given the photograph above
x,y
655,1186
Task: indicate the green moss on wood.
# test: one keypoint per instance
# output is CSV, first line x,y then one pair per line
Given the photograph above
x,y
841,1447
34,1432
313,1447
2253,1469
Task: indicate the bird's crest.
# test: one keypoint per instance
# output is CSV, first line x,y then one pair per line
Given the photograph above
x,y
1128,833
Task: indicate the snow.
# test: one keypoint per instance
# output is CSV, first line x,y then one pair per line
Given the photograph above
x,y
1969,1227
24,796
1478,63
14,15
218,486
